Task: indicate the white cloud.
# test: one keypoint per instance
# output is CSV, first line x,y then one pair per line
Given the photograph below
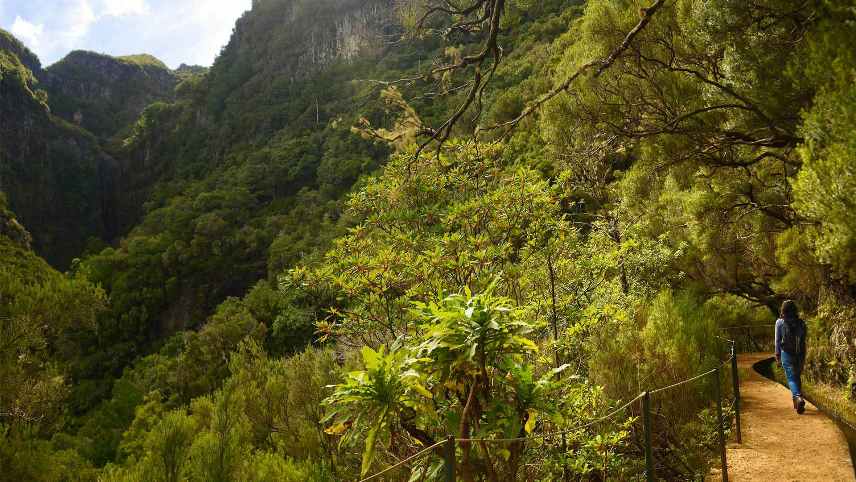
x,y
124,8
27,32
205,26
190,31
79,18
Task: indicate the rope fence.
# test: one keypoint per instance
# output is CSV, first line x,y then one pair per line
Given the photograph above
x,y
752,338
405,461
558,433
707,404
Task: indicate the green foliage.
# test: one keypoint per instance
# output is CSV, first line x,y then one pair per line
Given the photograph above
x,y
825,189
143,60
263,424
43,315
373,397
468,371
45,319
26,458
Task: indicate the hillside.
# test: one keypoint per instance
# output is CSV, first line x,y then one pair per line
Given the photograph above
x,y
56,175
363,230
104,94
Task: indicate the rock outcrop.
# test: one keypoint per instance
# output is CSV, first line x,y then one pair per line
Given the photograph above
x,y
106,94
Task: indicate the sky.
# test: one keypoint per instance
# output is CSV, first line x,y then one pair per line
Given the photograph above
x,y
175,31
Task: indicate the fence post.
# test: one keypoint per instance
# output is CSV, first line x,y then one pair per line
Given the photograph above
x,y
735,380
566,475
718,394
649,453
450,459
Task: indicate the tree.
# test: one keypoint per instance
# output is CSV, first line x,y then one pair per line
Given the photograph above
x,y
471,373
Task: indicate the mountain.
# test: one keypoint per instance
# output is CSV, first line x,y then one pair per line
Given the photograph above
x,y
90,131
59,166
57,177
11,45
105,94
248,166
184,70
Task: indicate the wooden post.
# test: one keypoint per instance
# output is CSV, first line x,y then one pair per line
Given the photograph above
x,y
649,452
718,393
450,459
735,380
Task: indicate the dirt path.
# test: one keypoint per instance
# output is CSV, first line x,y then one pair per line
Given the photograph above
x,y
778,444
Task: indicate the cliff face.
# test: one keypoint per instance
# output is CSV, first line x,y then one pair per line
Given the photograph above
x,y
10,44
105,94
311,34
55,123
343,31
55,175
292,40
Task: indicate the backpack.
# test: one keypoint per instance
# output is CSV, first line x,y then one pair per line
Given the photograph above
x,y
793,335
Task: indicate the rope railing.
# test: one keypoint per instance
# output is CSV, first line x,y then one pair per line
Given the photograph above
x,y
683,382
732,407
561,432
405,461
757,337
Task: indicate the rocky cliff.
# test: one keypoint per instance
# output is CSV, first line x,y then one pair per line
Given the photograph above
x,y
289,41
56,176
311,34
106,94
78,161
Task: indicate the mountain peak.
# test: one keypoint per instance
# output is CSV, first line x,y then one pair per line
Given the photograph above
x,y
105,94
95,58
10,43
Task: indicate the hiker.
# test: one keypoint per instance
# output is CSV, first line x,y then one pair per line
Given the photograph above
x,y
790,350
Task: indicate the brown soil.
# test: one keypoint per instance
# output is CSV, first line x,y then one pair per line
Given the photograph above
x,y
780,445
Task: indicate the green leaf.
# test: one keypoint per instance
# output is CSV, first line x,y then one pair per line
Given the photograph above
x,y
371,438
422,390
530,421
370,357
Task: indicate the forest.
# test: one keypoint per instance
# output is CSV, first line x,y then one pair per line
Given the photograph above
x,y
372,225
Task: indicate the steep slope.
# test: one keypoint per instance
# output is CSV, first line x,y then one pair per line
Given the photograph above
x,y
58,164
247,171
106,94
56,176
13,46
45,317
248,164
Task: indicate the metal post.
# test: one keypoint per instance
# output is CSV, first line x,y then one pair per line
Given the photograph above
x,y
649,454
735,380
718,393
450,459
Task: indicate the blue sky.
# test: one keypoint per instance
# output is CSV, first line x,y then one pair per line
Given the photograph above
x,y
175,31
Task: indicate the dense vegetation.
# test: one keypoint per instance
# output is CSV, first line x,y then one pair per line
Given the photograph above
x,y
302,293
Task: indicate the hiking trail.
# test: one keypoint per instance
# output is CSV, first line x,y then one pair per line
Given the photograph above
x,y
778,444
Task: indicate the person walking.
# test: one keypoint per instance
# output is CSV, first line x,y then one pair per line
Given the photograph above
x,y
791,333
